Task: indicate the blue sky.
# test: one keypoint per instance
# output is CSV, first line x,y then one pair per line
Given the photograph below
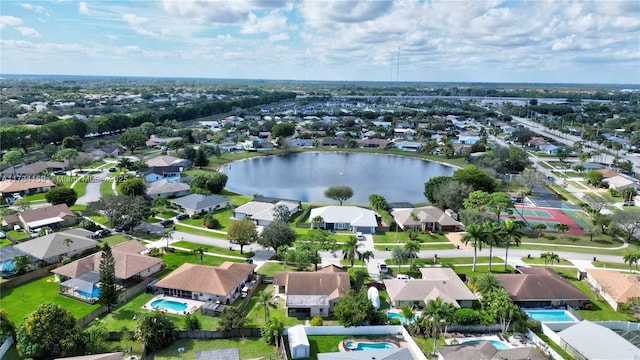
x,y
470,41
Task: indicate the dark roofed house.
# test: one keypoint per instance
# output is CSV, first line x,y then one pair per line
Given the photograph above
x,y
51,248
200,204
311,294
157,173
167,189
54,216
540,287
484,350
333,142
427,218
36,168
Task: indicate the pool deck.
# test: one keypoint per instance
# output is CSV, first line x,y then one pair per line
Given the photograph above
x,y
192,305
397,341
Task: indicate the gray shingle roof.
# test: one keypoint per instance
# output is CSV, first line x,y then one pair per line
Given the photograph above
x,y
198,201
51,245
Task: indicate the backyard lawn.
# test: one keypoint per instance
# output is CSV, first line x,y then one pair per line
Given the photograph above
x,y
179,257
5,242
18,235
22,300
255,310
210,249
114,239
248,347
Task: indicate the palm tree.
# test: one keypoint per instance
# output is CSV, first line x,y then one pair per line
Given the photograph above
x,y
473,234
264,298
317,222
511,232
366,256
631,258
199,251
549,258
166,233
408,314
68,242
485,283
438,312
350,250
540,227
411,248
398,256
125,163
561,227
491,236
591,230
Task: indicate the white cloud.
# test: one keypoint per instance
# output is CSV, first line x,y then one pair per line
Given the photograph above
x,y
279,37
6,20
27,31
271,23
136,22
36,8
83,8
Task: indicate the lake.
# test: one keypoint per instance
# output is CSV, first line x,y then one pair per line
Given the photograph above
x,y
306,176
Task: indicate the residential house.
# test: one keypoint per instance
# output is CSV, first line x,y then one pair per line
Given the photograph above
x,y
333,142
614,287
425,218
260,209
467,139
620,182
54,216
409,146
200,204
167,189
168,160
105,356
207,283
25,186
374,143
541,287
36,168
485,350
131,265
588,340
436,282
157,173
53,247
158,142
300,143
549,149
536,141
403,133
352,218
311,294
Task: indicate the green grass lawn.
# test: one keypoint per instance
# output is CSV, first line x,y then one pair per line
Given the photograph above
x,y
81,187
114,239
78,207
202,231
539,261
18,235
390,237
422,247
39,197
270,268
179,257
5,242
22,300
211,249
99,219
248,348
106,188
255,310
610,265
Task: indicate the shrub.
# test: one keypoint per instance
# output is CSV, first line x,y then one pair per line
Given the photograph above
x,y
210,222
467,317
317,321
394,321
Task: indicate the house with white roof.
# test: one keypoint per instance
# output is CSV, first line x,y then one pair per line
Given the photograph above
x,y
588,340
261,209
167,189
200,204
352,218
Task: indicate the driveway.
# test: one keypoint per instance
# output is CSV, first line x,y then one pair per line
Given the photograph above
x,y
92,191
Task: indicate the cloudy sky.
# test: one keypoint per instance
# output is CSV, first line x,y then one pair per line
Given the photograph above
x,y
535,41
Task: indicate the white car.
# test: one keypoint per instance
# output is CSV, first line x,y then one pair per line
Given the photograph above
x,y
359,236
383,268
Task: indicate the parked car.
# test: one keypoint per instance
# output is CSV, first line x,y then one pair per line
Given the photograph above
x,y
248,261
2,235
101,233
629,203
402,276
359,236
166,223
182,216
59,172
112,169
382,267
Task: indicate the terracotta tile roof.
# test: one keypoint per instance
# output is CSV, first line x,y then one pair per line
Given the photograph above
x,y
207,279
619,286
436,282
11,186
334,285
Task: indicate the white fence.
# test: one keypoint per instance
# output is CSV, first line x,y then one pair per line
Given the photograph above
x,y
543,345
8,341
369,330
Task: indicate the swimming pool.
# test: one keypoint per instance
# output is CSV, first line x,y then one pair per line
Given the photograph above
x,y
397,315
7,266
551,315
165,304
359,346
498,344
95,292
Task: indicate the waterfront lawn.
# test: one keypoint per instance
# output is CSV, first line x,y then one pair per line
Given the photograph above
x,y
248,348
22,300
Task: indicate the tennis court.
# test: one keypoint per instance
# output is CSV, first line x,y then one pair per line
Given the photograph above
x,y
549,217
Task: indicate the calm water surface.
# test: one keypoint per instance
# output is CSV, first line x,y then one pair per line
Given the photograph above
x,y
305,176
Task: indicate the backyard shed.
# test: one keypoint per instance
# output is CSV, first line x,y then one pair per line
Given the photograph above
x,y
298,342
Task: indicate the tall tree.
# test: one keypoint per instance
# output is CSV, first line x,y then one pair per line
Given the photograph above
x,y
263,298
61,195
121,211
69,155
232,318
378,202
339,193
281,213
631,258
412,248
310,244
398,256
549,258
199,252
132,187
132,140
366,256
355,309
108,291
531,178
201,159
68,242
511,232
433,184
12,158
243,232
276,235
155,330
350,250
561,227
491,237
478,179
485,283
474,234
628,220
438,313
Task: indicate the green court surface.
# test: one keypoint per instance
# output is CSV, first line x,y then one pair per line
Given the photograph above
x,y
573,214
527,213
550,224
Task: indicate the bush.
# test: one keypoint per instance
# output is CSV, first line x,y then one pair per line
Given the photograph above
x,y
89,225
210,222
317,321
394,321
467,317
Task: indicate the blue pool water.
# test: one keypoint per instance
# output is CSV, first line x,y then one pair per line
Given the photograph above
x,y
358,346
551,315
169,305
498,344
95,292
395,315
7,266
